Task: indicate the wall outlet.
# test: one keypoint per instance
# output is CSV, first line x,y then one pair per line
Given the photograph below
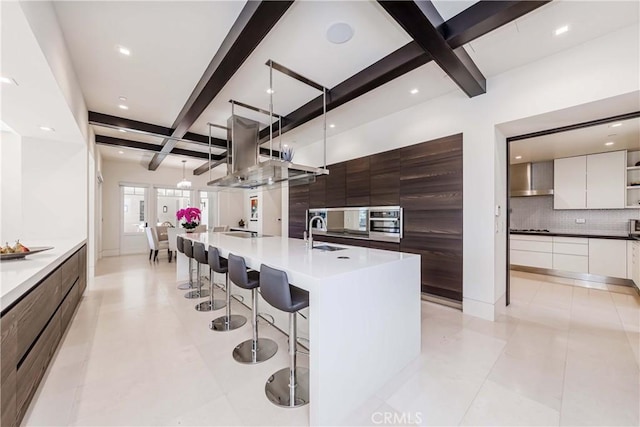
x,y
581,221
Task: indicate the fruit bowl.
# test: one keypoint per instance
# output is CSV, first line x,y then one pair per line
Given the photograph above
x,y
20,255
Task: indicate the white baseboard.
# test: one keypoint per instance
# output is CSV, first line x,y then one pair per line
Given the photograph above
x,y
479,309
110,252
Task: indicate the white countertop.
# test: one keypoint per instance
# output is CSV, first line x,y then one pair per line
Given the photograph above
x,y
18,276
303,266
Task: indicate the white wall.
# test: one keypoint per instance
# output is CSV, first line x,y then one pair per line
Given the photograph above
x,y
10,188
599,69
54,189
230,205
269,210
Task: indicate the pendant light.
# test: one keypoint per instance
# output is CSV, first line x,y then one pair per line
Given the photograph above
x,y
184,184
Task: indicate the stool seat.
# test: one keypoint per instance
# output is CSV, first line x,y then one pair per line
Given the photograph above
x,y
240,276
277,291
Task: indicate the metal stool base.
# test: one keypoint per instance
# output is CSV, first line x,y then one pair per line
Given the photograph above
x,y
224,323
197,294
185,286
278,391
207,306
244,353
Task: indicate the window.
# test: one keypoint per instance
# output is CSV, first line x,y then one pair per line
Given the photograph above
x,y
134,211
208,207
168,202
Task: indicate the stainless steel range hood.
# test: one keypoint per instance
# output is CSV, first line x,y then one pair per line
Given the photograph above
x,y
244,168
531,179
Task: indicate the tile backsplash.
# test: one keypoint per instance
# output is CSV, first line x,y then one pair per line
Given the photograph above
x,y
538,213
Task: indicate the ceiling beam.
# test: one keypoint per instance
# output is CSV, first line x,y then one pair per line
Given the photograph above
x,y
155,148
254,22
420,20
114,122
205,167
476,21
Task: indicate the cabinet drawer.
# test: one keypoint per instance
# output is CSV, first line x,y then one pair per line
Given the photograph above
x,y
535,246
8,369
34,311
570,249
68,306
531,238
575,263
35,364
574,240
70,270
531,259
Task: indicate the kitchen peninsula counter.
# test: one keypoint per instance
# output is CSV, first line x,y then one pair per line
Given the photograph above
x,y
364,313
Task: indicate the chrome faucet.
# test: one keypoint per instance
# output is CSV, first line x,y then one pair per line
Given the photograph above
x,y
324,225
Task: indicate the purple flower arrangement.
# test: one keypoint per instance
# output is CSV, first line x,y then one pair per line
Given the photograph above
x,y
191,217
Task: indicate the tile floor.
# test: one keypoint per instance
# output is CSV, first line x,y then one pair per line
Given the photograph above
x,y
137,353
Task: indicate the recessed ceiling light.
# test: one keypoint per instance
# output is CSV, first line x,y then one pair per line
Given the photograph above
x,y
269,90
518,157
47,129
121,152
122,98
8,80
123,107
124,50
285,145
615,125
332,125
413,91
339,33
609,143
562,30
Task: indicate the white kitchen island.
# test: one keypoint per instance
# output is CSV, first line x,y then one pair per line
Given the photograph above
x,y
364,313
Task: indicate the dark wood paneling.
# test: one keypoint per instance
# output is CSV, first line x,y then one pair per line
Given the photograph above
x,y
318,193
298,205
386,246
70,273
35,364
336,185
384,169
35,310
357,182
68,306
82,268
8,374
431,195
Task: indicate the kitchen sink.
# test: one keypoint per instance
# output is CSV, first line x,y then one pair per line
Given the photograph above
x,y
328,248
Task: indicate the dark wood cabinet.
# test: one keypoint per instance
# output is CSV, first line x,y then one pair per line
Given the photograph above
x,y
318,193
298,205
357,182
425,180
31,330
384,170
336,186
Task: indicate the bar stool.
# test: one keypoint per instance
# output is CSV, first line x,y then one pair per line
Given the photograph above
x,y
229,321
189,249
219,265
254,350
288,387
187,285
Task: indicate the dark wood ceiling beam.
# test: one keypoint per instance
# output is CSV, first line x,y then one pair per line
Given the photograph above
x,y
254,22
417,19
105,120
481,18
154,148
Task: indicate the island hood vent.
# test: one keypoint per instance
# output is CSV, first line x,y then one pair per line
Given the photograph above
x,y
531,179
244,168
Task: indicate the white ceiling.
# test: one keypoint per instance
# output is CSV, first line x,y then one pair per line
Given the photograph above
x,y
578,142
172,43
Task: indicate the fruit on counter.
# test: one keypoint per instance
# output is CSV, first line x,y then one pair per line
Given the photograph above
x,y
19,247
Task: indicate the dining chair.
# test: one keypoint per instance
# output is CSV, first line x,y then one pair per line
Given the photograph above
x,y
154,244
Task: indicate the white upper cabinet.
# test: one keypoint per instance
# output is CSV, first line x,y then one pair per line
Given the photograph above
x,y
606,180
570,183
595,181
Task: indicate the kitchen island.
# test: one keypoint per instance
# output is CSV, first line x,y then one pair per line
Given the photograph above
x,y
364,313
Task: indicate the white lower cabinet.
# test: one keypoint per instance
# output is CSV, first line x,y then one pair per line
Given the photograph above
x,y
573,263
608,257
532,259
633,262
531,251
571,254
